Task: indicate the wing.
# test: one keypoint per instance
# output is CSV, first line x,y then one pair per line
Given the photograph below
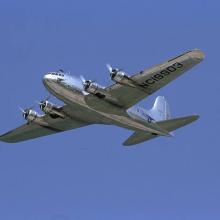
x,y
49,126
151,80
168,125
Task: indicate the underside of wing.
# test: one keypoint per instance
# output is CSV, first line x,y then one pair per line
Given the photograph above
x,y
47,126
150,80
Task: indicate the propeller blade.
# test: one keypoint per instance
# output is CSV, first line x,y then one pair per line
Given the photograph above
x,y
22,110
39,102
82,78
109,67
47,98
30,108
43,101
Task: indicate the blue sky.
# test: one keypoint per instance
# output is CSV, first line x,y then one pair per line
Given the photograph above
x,y
87,173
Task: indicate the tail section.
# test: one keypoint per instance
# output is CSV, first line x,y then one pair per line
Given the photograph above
x,y
160,110
162,116
168,125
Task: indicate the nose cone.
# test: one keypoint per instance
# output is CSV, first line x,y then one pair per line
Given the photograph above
x,y
197,55
46,77
49,78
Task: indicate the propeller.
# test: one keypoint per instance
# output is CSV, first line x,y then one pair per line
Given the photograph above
x,y
43,103
46,99
82,78
86,83
112,71
22,110
26,112
109,67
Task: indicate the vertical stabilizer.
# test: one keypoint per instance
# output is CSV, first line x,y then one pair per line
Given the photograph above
x,y
160,110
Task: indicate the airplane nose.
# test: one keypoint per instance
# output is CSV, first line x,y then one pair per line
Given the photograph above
x,y
49,78
46,78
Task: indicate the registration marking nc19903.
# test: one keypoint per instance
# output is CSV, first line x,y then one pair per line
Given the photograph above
x,y
162,74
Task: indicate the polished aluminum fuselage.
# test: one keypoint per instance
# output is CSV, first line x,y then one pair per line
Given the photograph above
x,y
91,109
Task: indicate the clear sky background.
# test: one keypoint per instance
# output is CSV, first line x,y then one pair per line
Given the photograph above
x,y
87,173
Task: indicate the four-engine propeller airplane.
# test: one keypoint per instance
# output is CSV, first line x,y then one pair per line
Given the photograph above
x,y
88,103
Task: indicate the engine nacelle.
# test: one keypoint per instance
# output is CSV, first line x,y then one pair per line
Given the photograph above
x,y
120,77
46,107
30,115
94,88
51,109
117,75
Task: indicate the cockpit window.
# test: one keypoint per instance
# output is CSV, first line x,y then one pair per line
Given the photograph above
x,y
56,74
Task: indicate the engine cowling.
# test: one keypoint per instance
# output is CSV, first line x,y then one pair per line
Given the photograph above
x,y
46,106
30,115
119,76
94,88
51,109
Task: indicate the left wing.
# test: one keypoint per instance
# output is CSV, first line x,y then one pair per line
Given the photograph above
x,y
33,130
151,80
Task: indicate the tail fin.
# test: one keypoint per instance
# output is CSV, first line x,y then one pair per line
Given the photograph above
x,y
160,110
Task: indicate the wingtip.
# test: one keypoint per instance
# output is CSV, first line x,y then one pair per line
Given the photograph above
x,y
197,54
195,117
126,144
3,138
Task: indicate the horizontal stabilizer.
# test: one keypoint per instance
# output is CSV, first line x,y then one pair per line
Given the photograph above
x,y
168,125
175,123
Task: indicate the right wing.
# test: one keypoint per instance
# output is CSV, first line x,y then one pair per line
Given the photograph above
x,y
151,80
168,125
33,130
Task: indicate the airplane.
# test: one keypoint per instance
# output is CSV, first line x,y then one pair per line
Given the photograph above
x,y
87,103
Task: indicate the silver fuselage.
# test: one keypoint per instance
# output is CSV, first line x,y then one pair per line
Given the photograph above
x,y
89,108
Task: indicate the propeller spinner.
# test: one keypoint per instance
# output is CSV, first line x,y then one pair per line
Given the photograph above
x,y
44,103
29,114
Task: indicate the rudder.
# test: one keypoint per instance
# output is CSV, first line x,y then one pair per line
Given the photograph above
x,y
161,109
